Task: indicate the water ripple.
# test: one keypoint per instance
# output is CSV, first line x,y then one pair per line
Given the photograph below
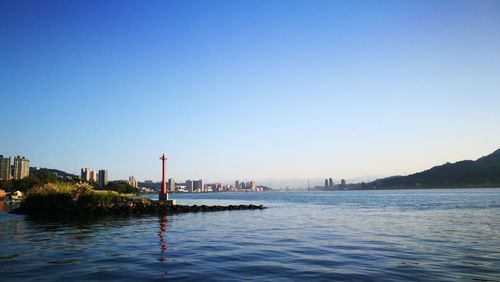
x,y
420,235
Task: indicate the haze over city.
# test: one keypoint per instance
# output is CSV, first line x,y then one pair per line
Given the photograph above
x,y
249,89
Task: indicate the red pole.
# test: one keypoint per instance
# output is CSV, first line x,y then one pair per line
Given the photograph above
x,y
163,193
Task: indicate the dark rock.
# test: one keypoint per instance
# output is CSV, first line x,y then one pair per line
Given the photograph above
x,y
137,206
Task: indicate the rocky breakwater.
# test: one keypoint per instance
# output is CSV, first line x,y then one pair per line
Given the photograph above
x,y
128,207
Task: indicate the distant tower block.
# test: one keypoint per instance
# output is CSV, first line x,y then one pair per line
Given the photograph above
x,y
163,193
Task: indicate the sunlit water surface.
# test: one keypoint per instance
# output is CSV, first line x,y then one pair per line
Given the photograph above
x,y
417,235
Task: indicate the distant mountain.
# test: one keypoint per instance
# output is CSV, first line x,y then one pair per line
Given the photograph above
x,y
484,172
39,171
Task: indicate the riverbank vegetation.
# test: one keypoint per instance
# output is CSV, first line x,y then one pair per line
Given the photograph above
x,y
68,197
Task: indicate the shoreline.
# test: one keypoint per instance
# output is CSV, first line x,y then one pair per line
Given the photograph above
x,y
132,207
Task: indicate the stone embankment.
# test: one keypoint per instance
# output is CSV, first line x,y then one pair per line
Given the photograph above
x,y
136,206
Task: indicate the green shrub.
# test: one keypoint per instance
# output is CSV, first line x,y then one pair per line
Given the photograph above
x,y
66,196
81,190
49,196
102,197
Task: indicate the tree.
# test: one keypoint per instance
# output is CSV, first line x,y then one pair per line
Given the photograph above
x,y
48,177
26,183
6,185
121,186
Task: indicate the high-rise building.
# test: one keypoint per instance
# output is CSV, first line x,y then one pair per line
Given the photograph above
x,y
330,182
171,185
21,167
342,182
93,175
85,173
189,185
218,187
237,184
198,185
326,183
252,185
242,185
103,178
5,168
132,182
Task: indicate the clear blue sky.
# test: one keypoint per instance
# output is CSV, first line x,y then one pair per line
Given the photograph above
x,y
249,89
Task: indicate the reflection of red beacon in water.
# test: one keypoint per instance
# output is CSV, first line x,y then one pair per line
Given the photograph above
x,y
163,243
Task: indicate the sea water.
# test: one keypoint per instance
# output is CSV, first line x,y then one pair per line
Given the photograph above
x,y
390,235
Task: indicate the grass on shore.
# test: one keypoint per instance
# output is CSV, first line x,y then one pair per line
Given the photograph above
x,y
70,195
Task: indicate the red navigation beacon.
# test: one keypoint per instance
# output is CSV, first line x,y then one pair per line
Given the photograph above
x,y
163,193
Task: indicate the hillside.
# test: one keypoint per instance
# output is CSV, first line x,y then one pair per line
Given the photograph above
x,y
484,172
38,172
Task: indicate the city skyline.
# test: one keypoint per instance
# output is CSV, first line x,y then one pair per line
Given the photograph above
x,y
250,89
19,168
